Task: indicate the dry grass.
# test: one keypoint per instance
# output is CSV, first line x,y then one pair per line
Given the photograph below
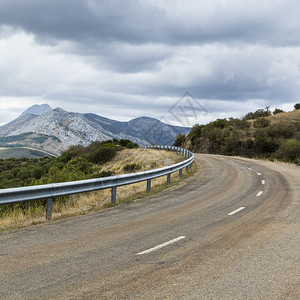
x,y
93,201
288,117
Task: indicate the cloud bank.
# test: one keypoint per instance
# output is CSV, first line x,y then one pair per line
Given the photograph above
x,y
124,59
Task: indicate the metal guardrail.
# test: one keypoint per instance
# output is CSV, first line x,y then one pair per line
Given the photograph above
x,y
53,190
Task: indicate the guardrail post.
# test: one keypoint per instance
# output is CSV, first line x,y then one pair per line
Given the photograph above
x,y
187,169
113,195
168,178
49,205
180,173
148,185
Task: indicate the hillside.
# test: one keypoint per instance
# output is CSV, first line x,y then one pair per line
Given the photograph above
x,y
258,134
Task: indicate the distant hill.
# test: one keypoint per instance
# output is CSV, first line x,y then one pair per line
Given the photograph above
x,y
258,134
19,152
54,130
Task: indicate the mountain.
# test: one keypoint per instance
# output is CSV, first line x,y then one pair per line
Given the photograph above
x,y
37,110
147,129
54,130
29,114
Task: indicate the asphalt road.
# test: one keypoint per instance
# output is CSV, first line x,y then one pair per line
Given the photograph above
x,y
232,231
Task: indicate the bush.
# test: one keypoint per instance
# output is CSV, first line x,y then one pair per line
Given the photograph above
x,y
289,151
73,151
68,173
24,174
37,172
102,155
280,131
195,131
128,144
277,111
239,124
261,123
264,146
232,144
132,167
258,114
297,106
179,140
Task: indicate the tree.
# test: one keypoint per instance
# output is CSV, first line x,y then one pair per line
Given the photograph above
x,y
277,111
179,140
297,106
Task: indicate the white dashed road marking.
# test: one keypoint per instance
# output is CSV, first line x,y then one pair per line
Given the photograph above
x,y
236,211
259,193
162,245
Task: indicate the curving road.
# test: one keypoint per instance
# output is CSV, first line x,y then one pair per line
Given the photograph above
x,y
229,232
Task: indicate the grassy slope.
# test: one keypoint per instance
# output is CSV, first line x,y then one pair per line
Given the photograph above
x,y
287,117
290,119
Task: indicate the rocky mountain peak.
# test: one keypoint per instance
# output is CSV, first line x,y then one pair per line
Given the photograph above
x,y
37,110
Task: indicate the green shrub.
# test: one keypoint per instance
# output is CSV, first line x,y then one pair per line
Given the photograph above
x,y
102,155
132,167
261,123
195,133
277,111
239,124
73,151
24,174
37,172
264,146
297,106
219,123
289,151
179,140
280,131
258,114
128,144
70,172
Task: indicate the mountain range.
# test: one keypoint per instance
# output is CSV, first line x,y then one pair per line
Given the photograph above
x,y
54,130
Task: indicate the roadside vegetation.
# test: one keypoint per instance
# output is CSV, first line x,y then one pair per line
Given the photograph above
x,y
259,134
76,163
99,159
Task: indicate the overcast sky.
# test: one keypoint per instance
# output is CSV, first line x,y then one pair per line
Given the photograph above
x,y
128,58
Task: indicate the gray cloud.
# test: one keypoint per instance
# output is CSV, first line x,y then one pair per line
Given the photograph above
x,y
178,22
141,56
